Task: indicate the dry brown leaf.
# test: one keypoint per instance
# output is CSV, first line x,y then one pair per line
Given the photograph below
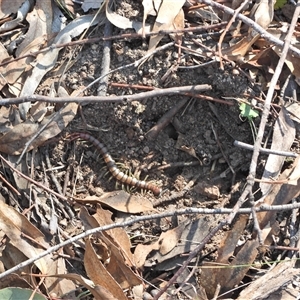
x,y
4,57
191,151
168,240
262,13
14,224
229,277
209,190
180,145
117,266
283,137
239,49
232,275
99,274
277,278
14,280
292,62
40,24
15,69
19,15
294,109
118,235
165,20
121,201
12,256
122,273
22,184
92,4
287,188
149,9
142,251
9,7
211,277
266,57
96,291
46,61
123,22
177,24
13,142
189,233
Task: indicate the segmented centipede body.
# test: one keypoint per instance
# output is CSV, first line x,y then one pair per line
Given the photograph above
x,y
111,164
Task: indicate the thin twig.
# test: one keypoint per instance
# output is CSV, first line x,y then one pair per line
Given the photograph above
x,y
126,36
264,150
89,99
134,64
102,87
165,119
31,180
263,33
236,12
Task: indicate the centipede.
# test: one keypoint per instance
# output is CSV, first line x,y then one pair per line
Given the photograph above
x,y
112,167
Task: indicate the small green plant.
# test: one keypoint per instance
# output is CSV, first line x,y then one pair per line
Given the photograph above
x,y
249,113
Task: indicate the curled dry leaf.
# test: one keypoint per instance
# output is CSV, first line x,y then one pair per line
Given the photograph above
x,y
166,243
262,13
22,11
191,151
124,23
167,246
121,201
119,262
118,235
169,239
99,274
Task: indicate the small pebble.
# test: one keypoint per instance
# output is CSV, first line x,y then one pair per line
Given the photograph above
x,y
146,149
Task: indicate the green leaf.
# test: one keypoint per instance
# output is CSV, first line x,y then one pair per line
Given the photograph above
x,y
279,4
247,111
19,294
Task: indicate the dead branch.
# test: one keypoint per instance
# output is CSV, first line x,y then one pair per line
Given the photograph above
x,y
194,89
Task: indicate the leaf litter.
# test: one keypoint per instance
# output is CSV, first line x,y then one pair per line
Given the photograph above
x,y
135,260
